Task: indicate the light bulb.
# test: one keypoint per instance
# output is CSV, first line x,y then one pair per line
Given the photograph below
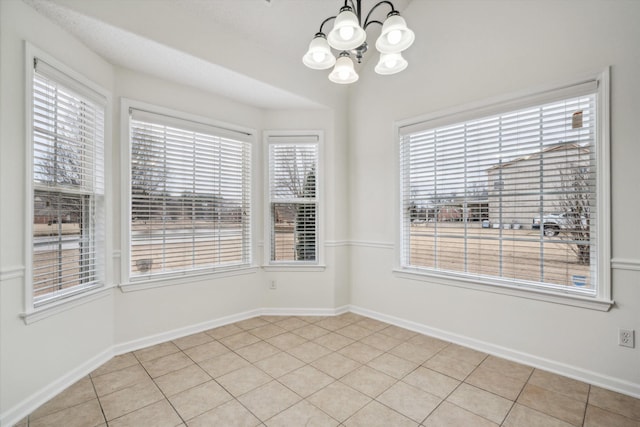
x,y
343,74
346,32
391,62
394,36
318,56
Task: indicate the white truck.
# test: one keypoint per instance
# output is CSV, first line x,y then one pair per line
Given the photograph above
x,y
553,223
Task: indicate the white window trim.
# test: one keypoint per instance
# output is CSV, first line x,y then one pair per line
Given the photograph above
x,y
293,266
603,299
31,313
170,279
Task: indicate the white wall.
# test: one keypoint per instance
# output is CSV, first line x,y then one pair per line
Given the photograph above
x,y
470,51
34,358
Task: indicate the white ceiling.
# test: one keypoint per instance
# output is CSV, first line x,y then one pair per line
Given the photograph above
x,y
281,27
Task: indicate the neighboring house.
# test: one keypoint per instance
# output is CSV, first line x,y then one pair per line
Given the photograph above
x,y
531,185
48,211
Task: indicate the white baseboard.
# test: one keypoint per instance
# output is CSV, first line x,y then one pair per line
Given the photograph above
x,y
594,378
182,332
305,311
30,404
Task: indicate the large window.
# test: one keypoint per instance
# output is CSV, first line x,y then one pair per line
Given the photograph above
x,y
190,196
509,198
293,198
68,121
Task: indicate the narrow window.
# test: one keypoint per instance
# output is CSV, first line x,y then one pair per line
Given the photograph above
x,y
68,186
293,199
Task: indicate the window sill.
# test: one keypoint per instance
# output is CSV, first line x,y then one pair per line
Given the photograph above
x,y
65,304
172,280
591,303
294,267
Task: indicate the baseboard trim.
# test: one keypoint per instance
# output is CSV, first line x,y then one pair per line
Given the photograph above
x,y
305,311
30,404
604,381
150,340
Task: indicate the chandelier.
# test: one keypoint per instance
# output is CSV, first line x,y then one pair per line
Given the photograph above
x,y
348,36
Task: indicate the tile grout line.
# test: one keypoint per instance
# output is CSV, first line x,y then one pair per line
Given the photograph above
x,y
397,380
309,364
233,397
586,405
517,397
456,387
154,383
236,398
561,394
104,416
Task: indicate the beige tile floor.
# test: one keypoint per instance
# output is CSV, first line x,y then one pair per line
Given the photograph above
x,y
346,370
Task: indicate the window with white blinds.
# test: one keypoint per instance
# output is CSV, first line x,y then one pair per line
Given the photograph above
x,y
509,198
190,189
68,121
293,199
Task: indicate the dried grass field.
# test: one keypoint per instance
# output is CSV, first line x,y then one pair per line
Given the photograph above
x,y
519,254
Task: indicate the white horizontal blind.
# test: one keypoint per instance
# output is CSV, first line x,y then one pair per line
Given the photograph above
x,y
509,197
190,196
68,186
293,201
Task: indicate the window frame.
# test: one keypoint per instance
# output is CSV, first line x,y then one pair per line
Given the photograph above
x,y
132,283
602,300
271,137
66,76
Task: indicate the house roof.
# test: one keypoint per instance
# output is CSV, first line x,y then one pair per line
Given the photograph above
x,y
551,148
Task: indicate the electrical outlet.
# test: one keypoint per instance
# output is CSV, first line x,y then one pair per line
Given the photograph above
x,y
273,285
626,338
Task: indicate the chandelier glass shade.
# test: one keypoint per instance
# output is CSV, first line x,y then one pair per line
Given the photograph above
x,y
395,36
349,37
343,72
347,33
391,63
319,56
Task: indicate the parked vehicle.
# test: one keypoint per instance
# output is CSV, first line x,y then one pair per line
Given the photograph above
x,y
553,223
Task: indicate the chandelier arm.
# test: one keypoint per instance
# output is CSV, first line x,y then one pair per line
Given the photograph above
x,y
371,22
324,22
393,9
358,9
